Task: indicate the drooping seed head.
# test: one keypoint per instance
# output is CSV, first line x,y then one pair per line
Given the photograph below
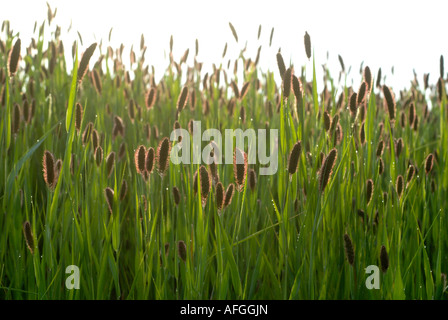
x,y
109,195
49,169
13,58
384,259
240,168
294,157
349,251
163,156
307,45
327,168
28,234
429,162
140,159
232,28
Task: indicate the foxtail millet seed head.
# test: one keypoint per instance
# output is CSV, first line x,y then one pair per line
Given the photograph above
x,y
232,28
287,80
244,90
410,174
48,163
219,196
341,62
229,195
327,168
281,65
78,116
16,116
98,155
368,78
240,168
384,259
399,185
14,57
252,179
327,121
139,159
150,98
182,250
84,63
349,251
163,156
149,160
362,92
353,103
205,181
369,190
429,162
389,101
123,190
87,132
411,114
28,234
297,88
294,157
110,161
176,195
307,40
109,195
380,166
182,100
380,149
362,134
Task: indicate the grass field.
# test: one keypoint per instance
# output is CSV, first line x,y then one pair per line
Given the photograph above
x,y
86,179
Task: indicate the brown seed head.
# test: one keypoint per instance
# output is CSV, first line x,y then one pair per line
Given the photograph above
x,y
139,159
123,190
429,162
98,155
110,161
294,157
205,184
349,251
389,101
84,63
252,179
13,58
229,195
149,160
182,250
369,190
150,98
307,45
49,169
109,195
327,168
362,92
219,196
281,65
240,168
176,195
28,234
380,148
78,116
353,103
182,101
163,156
287,80
399,184
384,259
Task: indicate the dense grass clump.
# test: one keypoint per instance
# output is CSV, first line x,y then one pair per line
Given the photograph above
x,y
361,177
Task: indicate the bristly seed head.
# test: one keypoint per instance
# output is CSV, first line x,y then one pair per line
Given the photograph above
x,y
399,184
13,58
384,259
327,168
110,161
78,116
349,251
28,234
84,63
229,195
369,190
182,101
281,65
240,168
163,156
219,196
49,169
205,184
307,45
109,194
294,157
149,160
252,179
429,162
182,250
389,101
139,159
123,189
176,195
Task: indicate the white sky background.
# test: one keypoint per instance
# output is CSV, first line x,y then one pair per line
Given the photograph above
x,y
405,34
